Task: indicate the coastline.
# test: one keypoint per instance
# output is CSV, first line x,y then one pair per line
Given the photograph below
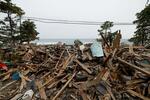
x,y
69,41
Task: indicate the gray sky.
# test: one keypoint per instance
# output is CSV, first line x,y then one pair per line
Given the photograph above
x,y
89,10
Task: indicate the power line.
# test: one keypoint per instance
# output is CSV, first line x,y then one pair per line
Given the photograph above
x,y
60,21
78,22
65,22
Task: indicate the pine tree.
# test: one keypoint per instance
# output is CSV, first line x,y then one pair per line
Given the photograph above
x,y
28,32
142,34
106,31
8,28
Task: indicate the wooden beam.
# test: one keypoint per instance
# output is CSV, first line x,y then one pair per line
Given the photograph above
x,y
134,66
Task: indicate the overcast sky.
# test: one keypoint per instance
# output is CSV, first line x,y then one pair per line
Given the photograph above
x,y
89,10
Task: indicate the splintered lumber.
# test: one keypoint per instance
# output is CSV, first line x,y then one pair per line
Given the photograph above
x,y
110,92
59,59
41,90
84,95
16,97
143,65
138,95
50,85
107,58
88,55
104,40
83,66
60,91
8,72
6,86
134,66
63,72
73,97
101,76
6,77
50,81
134,81
23,83
68,60
116,41
24,77
131,49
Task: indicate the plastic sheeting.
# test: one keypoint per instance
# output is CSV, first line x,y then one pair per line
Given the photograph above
x,y
96,49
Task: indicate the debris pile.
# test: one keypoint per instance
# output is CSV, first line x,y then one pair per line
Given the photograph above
x,y
76,72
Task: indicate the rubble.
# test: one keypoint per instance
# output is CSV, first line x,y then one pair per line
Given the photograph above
x,y
72,72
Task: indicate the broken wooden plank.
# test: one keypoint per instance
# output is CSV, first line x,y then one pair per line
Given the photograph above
x,y
88,55
7,85
84,95
110,92
83,66
131,49
59,59
23,83
60,91
8,72
25,77
50,85
6,77
102,75
134,66
116,41
105,41
142,64
17,97
73,97
49,81
41,90
137,94
134,81
68,60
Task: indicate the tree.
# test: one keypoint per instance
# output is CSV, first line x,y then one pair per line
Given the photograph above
x,y
106,30
107,26
28,32
9,29
142,33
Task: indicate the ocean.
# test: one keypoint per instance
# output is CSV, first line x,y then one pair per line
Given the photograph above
x,y
68,41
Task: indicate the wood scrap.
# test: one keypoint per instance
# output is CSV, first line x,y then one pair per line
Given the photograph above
x,y
137,94
7,85
125,72
135,67
41,90
83,66
59,92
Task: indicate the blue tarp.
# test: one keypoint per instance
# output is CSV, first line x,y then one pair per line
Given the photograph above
x,y
96,49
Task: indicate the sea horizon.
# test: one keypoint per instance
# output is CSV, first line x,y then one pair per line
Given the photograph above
x,y
70,41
